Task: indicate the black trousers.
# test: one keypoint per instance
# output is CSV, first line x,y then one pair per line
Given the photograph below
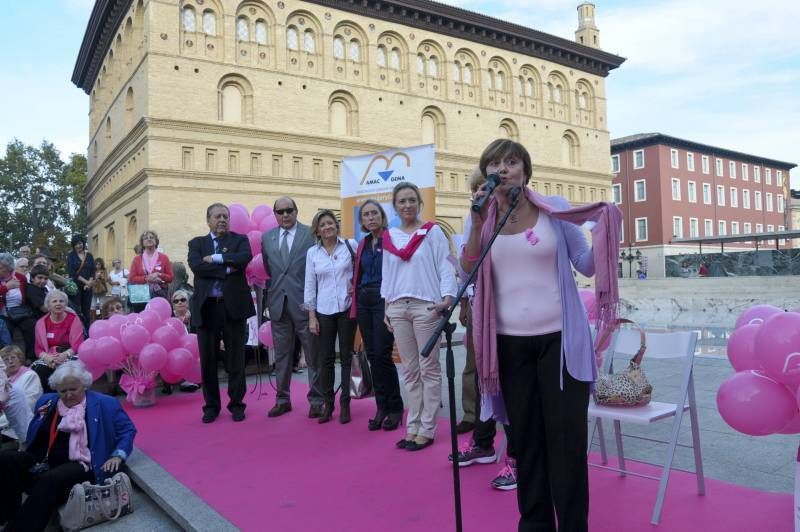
x,y
216,322
44,372
82,301
46,491
27,328
378,342
331,326
550,432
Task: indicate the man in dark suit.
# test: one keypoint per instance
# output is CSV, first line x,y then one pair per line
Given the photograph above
x,y
284,249
220,306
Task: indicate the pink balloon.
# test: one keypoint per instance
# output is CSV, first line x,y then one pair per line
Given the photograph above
x,y
793,427
179,360
589,300
153,357
265,334
240,220
268,223
756,312
255,272
254,237
97,370
259,213
98,329
134,338
160,306
742,347
115,324
178,325
131,318
195,374
150,320
189,342
754,404
87,352
167,337
168,377
110,352
778,347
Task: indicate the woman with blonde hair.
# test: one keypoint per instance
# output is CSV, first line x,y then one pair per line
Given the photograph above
x,y
151,267
328,297
418,284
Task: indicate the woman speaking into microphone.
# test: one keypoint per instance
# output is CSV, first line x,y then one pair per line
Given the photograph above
x,y
533,345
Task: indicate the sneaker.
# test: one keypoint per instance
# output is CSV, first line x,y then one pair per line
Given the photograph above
x,y
469,454
507,478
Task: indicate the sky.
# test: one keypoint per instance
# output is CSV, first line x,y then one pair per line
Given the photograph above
x,y
725,73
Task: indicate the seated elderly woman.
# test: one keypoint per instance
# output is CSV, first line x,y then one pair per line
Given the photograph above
x,y
59,333
25,384
15,415
76,435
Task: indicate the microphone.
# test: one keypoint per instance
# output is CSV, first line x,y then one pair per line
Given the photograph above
x,y
492,180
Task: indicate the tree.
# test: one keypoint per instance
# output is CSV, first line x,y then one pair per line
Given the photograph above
x,y
44,197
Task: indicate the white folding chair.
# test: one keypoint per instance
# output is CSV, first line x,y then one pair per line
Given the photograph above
x,y
670,345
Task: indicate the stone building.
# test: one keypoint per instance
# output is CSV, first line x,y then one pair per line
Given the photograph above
x,y
197,101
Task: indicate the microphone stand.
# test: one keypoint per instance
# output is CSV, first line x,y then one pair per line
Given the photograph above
x,y
448,328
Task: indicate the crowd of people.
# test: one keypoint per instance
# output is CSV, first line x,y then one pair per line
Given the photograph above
x,y
530,358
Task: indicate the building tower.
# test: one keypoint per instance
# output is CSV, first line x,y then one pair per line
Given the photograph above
x,y
587,32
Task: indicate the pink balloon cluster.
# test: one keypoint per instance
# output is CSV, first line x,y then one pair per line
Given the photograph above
x,y
151,342
254,226
762,397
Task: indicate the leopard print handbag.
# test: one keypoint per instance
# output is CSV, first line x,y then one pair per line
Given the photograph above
x,y
629,387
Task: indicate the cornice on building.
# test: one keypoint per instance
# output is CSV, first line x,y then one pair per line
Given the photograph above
x,y
643,140
107,17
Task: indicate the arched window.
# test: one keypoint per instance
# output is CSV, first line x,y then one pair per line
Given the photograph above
x,y
500,82
343,114
209,23
309,42
261,31
380,56
394,59
581,100
338,47
428,129
232,97
556,93
355,51
508,130
570,154
468,74
421,65
433,67
108,132
529,91
129,108
457,72
338,112
188,18
242,29
291,38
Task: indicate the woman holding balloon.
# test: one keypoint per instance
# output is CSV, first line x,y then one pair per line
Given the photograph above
x,y
59,334
151,267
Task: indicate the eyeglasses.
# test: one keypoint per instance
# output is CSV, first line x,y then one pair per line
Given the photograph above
x,y
281,212
179,300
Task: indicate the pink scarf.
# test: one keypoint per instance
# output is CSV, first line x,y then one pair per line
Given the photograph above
x,y
73,420
605,249
149,262
408,251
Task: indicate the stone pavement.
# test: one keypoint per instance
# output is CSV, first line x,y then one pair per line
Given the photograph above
x,y
763,463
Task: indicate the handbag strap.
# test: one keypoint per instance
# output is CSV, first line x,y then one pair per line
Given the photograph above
x,y
637,358
117,480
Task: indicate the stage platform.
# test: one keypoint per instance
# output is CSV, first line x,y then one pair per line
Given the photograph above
x,y
292,474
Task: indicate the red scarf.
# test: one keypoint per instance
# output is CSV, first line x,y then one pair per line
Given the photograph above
x,y
408,251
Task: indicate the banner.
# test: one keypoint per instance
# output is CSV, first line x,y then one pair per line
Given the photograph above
x,y
375,175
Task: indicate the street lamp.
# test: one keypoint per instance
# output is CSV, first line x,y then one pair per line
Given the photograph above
x,y
630,256
37,207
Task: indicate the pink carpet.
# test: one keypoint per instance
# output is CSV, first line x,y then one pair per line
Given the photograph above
x,y
292,474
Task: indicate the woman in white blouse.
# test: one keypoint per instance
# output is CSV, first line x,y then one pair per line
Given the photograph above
x,y
418,283
328,296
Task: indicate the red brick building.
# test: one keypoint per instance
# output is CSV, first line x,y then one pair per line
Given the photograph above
x,y
670,189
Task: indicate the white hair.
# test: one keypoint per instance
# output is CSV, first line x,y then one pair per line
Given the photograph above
x,y
7,260
53,293
72,368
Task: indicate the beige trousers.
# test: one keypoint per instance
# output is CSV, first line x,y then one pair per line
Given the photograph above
x,y
413,325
